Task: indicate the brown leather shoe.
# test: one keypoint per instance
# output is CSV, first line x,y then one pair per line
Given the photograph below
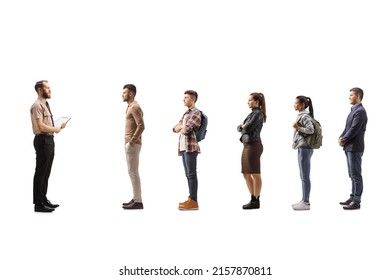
x,y
184,202
189,205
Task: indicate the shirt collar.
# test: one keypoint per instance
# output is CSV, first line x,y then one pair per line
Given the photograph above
x,y
303,112
355,106
192,109
42,100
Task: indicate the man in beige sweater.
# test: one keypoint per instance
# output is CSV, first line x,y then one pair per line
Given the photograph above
x,y
133,131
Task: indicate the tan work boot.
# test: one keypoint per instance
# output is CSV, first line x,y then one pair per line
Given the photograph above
x,y
189,205
185,202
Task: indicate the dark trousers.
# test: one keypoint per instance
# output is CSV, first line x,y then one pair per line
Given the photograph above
x,y
189,162
354,160
44,149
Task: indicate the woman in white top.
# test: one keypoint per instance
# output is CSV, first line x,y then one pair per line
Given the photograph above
x,y
302,127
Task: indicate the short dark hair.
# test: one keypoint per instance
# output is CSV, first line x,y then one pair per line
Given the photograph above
x,y
193,93
39,84
131,88
358,91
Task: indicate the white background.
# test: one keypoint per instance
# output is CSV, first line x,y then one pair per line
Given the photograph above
x,y
224,50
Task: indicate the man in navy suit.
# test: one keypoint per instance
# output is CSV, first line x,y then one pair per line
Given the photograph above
x,y
352,141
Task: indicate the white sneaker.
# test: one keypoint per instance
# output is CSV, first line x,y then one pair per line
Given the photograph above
x,y
295,204
301,206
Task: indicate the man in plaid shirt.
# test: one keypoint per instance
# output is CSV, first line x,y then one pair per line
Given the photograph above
x,y
189,148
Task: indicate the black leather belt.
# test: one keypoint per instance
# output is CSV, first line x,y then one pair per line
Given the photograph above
x,y
44,135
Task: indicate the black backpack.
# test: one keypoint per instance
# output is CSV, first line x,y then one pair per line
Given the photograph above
x,y
201,133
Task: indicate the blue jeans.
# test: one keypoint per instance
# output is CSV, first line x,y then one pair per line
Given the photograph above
x,y
304,156
354,160
189,162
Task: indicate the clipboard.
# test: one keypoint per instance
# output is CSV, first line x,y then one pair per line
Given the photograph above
x,y
61,120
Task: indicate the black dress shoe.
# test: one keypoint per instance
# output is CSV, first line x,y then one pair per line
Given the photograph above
x,y
352,206
51,205
128,203
347,202
42,208
134,206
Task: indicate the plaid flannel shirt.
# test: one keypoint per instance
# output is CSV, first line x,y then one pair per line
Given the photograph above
x,y
190,127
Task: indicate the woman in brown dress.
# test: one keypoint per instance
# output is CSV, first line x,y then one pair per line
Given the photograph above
x,y
253,147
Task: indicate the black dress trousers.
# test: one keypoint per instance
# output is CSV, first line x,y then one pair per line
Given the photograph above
x,y
44,149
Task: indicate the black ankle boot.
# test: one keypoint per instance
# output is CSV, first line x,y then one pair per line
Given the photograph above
x,y
253,204
257,202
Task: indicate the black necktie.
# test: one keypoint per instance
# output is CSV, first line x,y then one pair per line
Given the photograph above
x,y
51,115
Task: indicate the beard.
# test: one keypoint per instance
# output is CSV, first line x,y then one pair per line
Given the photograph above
x,y
46,95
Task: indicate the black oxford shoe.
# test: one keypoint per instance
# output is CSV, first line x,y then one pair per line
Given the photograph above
x,y
43,208
51,205
347,202
352,206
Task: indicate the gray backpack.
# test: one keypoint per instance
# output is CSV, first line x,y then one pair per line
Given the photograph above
x,y
314,140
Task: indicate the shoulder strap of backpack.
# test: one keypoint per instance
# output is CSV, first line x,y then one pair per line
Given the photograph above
x,y
301,117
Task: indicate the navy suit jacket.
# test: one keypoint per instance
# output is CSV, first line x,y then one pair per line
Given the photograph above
x,y
355,127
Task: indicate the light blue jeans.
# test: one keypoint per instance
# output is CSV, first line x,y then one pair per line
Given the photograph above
x,y
304,157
